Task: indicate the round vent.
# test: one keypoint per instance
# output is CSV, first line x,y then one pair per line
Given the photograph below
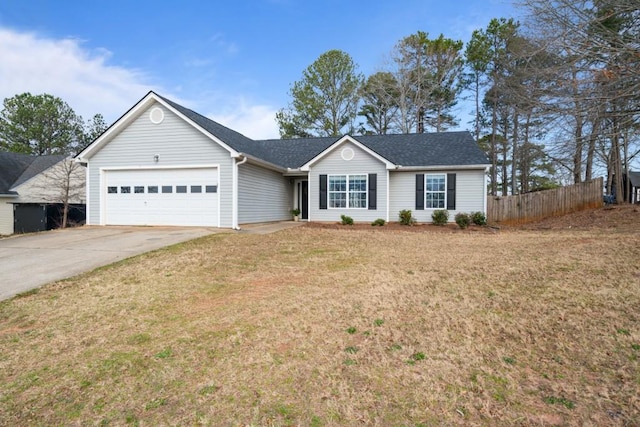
x,y
347,153
156,115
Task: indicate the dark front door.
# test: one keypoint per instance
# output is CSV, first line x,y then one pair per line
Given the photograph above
x,y
304,200
29,217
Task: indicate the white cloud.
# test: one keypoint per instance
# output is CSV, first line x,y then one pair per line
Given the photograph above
x,y
254,121
63,68
86,81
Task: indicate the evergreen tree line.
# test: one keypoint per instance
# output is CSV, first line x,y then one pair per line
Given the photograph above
x,y
555,98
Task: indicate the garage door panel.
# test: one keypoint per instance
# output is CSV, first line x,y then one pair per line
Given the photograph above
x,y
181,205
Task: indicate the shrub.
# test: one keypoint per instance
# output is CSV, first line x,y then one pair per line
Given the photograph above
x,y
463,220
379,222
440,217
406,217
479,218
346,220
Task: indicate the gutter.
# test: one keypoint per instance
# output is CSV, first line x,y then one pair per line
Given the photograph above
x,y
440,167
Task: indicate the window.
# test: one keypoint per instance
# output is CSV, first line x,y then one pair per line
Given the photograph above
x,y
152,189
181,188
125,190
211,188
435,191
112,190
347,191
138,189
358,191
167,189
337,191
196,188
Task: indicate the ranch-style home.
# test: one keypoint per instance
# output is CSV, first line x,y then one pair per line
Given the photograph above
x,y
164,164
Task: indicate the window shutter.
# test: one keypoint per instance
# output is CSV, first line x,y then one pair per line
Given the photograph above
x,y
451,191
420,192
373,191
323,191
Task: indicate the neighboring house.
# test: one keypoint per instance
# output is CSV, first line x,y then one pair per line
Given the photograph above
x,y
28,185
163,164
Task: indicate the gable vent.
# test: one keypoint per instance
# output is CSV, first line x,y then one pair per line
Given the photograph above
x,y
156,115
347,153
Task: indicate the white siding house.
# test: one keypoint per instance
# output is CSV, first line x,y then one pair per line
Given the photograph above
x,y
162,163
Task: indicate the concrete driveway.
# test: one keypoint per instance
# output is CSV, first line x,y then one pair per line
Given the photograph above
x,y
32,260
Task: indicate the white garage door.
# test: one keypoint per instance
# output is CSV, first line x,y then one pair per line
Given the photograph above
x,y
162,197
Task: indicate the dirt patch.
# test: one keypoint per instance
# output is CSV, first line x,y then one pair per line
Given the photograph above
x,y
619,217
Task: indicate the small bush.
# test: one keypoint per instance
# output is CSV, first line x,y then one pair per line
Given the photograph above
x,y
406,217
346,220
379,222
440,217
463,220
479,218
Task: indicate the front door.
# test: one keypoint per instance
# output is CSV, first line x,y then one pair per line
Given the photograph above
x,y
304,199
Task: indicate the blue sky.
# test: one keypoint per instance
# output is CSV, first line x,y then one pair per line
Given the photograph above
x,y
232,61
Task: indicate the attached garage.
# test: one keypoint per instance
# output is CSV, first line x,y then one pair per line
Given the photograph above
x,y
161,196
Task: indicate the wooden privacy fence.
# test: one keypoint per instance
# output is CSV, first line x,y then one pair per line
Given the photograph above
x,y
530,207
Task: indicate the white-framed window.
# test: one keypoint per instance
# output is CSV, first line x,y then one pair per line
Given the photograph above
x,y
435,191
347,191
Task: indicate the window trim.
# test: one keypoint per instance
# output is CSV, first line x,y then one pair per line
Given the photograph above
x,y
347,191
444,176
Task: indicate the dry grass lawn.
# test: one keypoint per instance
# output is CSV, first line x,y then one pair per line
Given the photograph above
x,y
325,327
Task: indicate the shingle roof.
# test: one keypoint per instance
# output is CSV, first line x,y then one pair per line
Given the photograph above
x,y
634,177
426,149
16,169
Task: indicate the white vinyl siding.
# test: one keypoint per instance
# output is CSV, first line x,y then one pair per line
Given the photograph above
x,y
470,190
263,195
49,186
175,143
362,163
6,216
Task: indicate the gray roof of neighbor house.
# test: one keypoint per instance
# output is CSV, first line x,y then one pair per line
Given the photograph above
x,y
634,177
16,169
425,149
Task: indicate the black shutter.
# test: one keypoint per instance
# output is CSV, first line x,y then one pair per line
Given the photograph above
x,y
373,187
323,191
420,192
451,191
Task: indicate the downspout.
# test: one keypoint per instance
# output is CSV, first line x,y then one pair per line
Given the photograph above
x,y
234,204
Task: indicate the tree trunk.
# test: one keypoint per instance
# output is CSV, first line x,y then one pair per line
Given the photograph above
x,y
514,154
477,94
577,154
593,137
494,152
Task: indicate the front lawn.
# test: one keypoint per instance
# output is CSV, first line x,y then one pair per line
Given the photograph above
x,y
315,326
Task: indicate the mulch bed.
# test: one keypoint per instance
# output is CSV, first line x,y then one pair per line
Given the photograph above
x,y
620,217
396,226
